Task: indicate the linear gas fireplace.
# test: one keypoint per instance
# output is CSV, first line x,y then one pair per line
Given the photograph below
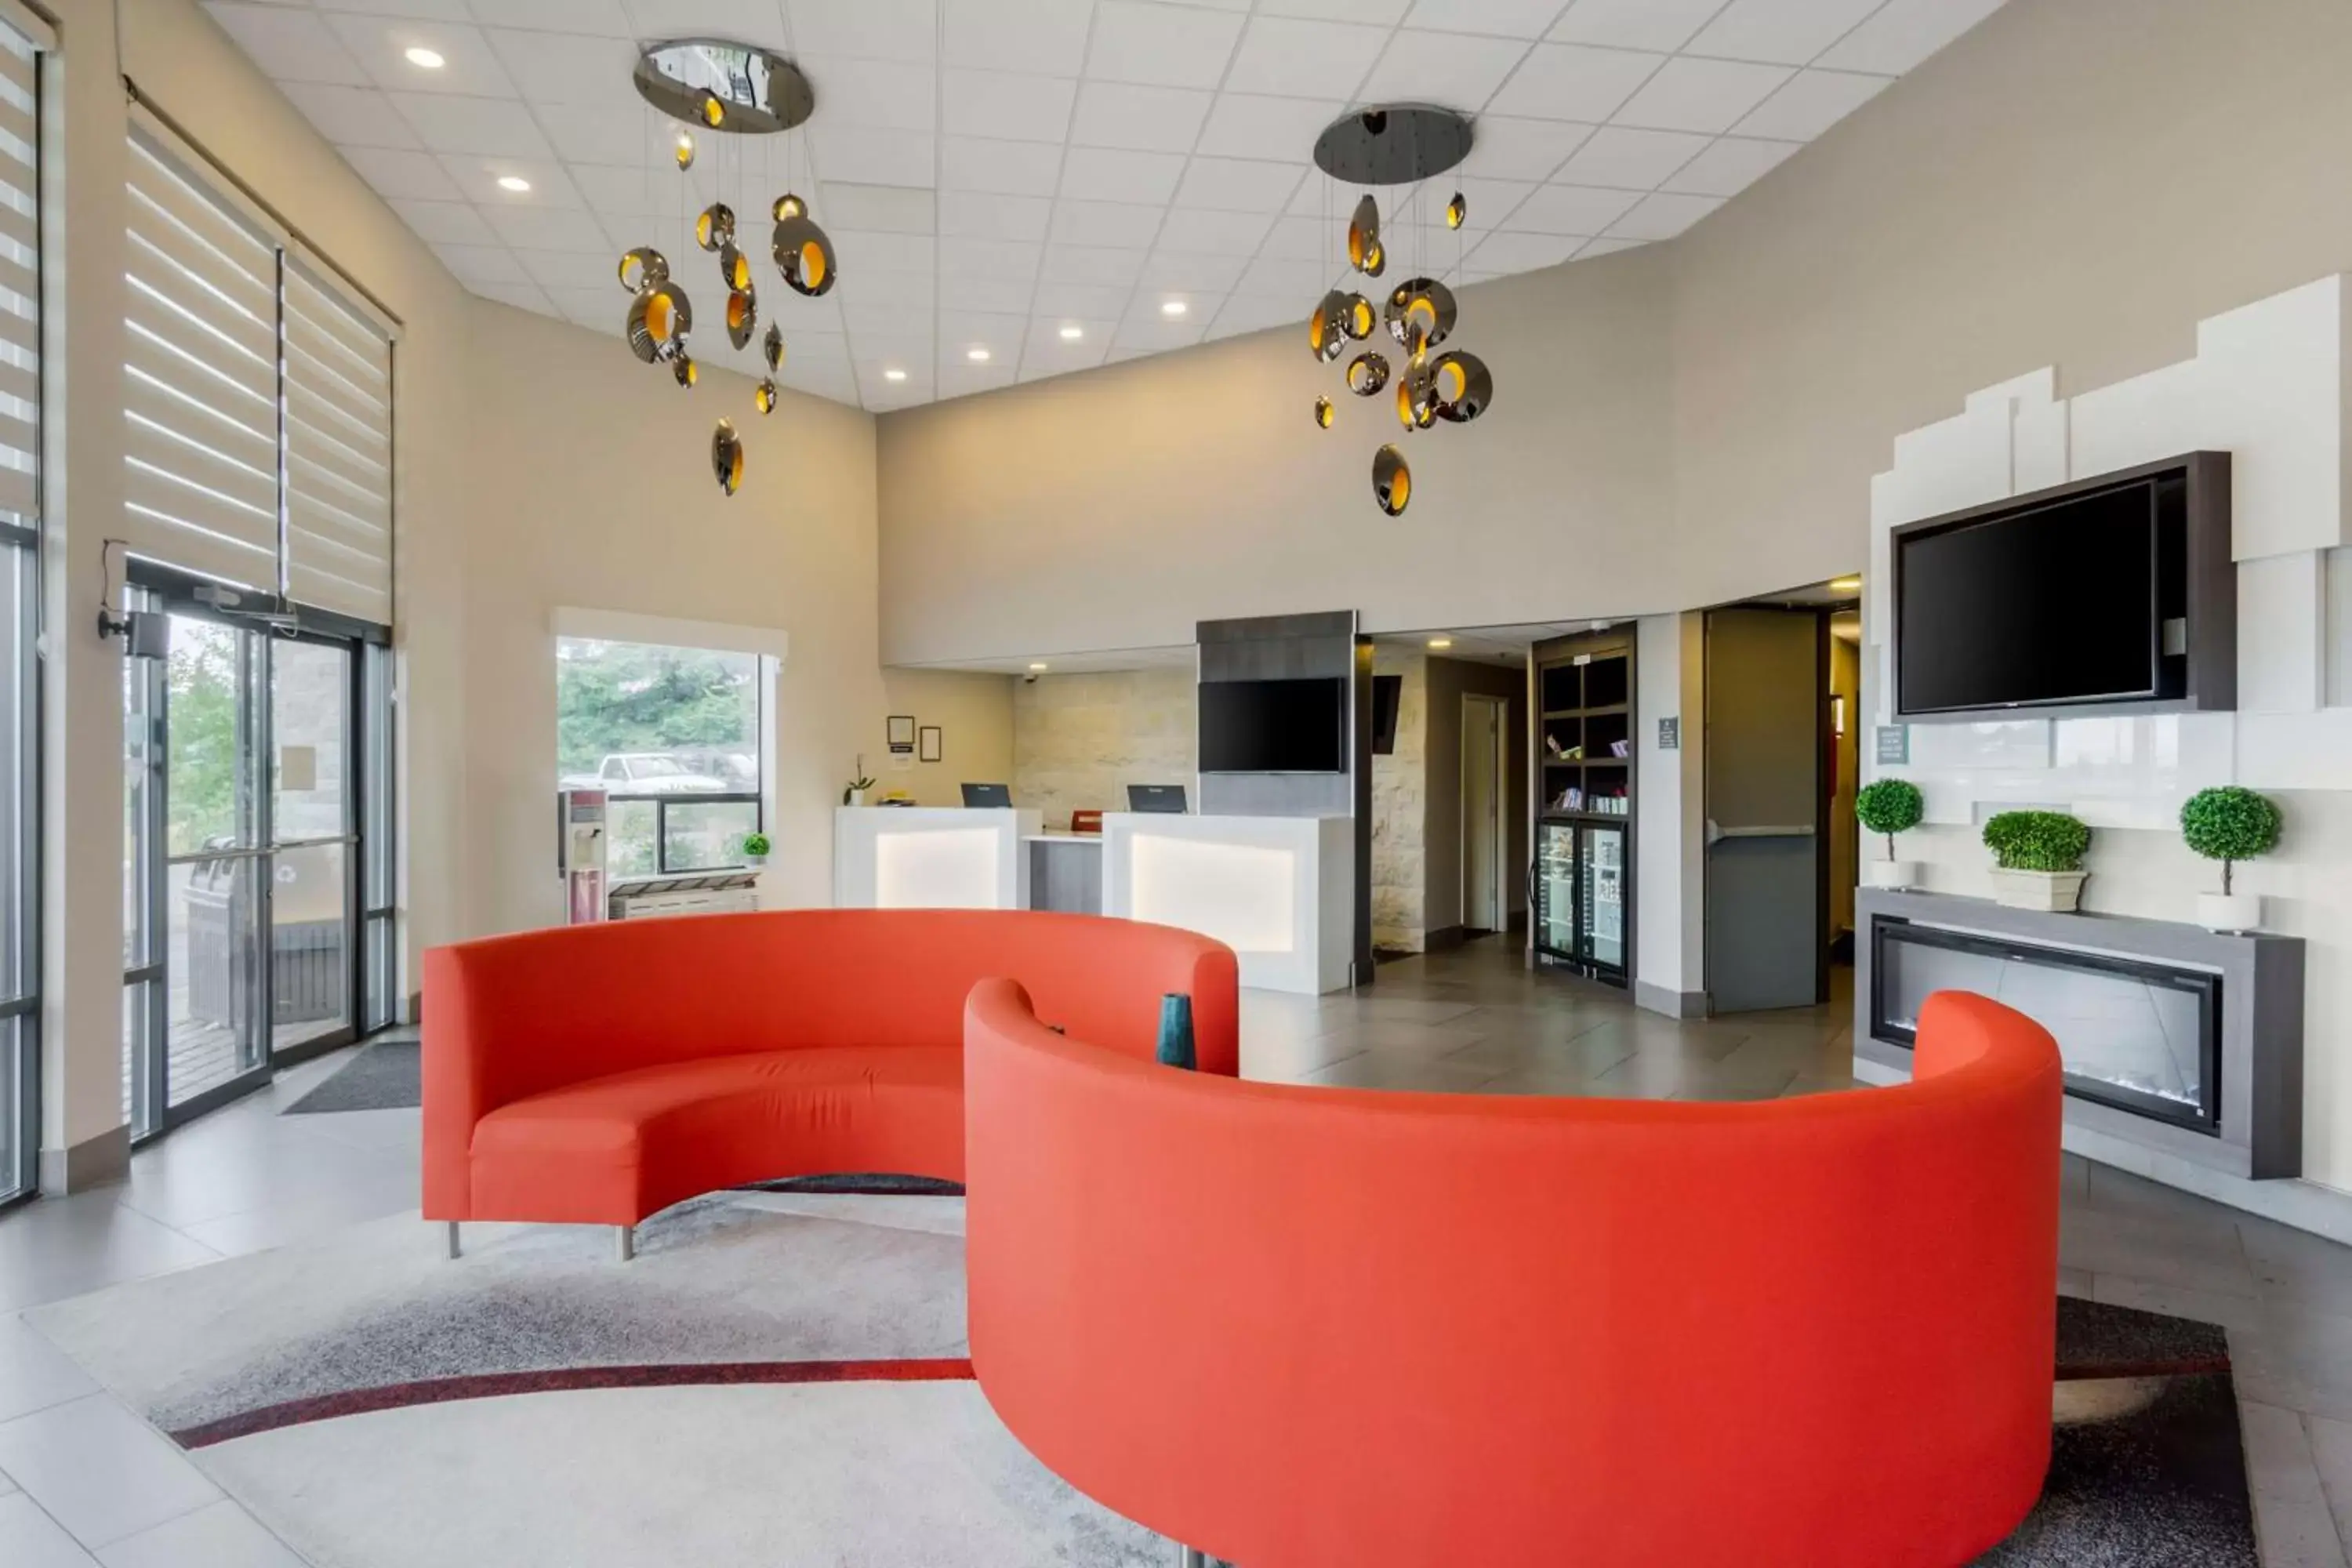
x,y
2171,1035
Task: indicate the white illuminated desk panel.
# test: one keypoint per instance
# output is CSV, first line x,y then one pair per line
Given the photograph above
x,y
924,858
1278,890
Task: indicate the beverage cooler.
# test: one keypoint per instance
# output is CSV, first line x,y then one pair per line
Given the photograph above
x,y
1580,896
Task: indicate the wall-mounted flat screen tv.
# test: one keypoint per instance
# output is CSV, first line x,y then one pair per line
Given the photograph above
x,y
1274,726
2078,598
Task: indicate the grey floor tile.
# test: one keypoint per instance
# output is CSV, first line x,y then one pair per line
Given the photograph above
x,y
209,1170
306,1215
58,1248
2238,1314
35,1374
100,1471
2331,1452
2112,1191
1290,1061
1372,1070
1579,1055
31,1538
2134,1248
2079,1283
220,1536
1404,1037
2298,1266
2292,1521
2298,1357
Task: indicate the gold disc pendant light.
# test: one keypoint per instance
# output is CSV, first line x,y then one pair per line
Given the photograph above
x,y
1364,252
803,253
1463,387
1368,372
716,227
1392,481
742,318
763,397
661,318
772,348
1421,313
1324,414
726,458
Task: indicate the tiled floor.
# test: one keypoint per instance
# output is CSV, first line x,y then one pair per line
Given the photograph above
x,y
82,1482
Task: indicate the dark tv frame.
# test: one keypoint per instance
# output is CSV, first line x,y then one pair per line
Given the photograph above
x,y
2212,582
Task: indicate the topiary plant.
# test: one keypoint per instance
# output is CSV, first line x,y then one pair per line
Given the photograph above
x,y
1890,806
755,844
2036,841
2228,823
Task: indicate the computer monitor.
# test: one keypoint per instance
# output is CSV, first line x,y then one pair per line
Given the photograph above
x,y
1167,798
979,795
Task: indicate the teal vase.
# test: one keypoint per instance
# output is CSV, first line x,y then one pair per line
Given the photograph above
x,y
1176,1031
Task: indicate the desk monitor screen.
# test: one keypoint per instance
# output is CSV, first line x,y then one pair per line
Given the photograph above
x,y
1168,798
988,794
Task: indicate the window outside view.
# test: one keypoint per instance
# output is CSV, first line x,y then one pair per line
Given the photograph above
x,y
673,734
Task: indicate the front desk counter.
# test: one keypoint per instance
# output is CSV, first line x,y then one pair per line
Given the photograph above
x,y
929,858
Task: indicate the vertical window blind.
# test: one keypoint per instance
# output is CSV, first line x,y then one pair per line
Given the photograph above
x,y
20,288
258,402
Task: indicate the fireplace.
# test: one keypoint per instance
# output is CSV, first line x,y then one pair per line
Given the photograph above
x,y
2141,1037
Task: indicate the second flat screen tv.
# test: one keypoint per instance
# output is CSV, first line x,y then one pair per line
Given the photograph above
x,y
1274,726
2053,604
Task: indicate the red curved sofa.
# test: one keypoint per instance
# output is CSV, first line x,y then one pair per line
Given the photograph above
x,y
601,1073
1308,1328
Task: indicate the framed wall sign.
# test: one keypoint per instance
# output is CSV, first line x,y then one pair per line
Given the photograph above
x,y
927,747
901,731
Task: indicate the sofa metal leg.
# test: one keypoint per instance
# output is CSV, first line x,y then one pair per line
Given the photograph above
x,y
625,1243
449,1238
1190,1557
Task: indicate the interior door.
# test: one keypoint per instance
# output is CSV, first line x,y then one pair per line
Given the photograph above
x,y
1766,685
1482,769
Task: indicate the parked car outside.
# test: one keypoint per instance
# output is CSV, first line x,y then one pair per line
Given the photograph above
x,y
645,772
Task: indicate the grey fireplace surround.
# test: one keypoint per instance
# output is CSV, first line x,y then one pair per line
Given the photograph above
x,y
2250,988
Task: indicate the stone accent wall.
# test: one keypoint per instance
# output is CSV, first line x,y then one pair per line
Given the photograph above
x,y
1401,810
1080,740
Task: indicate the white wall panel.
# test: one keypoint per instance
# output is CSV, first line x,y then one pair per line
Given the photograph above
x,y
2272,394
2282,633
2143,420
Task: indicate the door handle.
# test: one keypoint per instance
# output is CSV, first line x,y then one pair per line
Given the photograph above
x,y
1717,833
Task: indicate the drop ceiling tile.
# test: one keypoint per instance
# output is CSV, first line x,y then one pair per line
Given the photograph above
x,y
1198,230
1001,332
892,95
444,223
866,29
631,192
582,134
1188,273
1609,248
887,252
1662,216
1512,149
379,44
751,21
1048,36
1082,301
1690,94
1005,168
1376,13
1104,174
1633,24
1569,81
1119,224
1159,45
521,296
477,264
350,116
983,216
1904,33
1505,18
874,157
550,229
1250,125
1811,102
1568,209
904,296
603,17
1451,68
1296,238
1489,202
421,10
1293,59
567,68
1729,166
965,380
1247,313
1120,356
492,127
972,291
1778,32
1051,353
797,312
1002,258
599,310
1156,334
1523,252
1631,159
288,44
554,270
1006,104
1144,119
395,173
1094,264
1299,283
1238,185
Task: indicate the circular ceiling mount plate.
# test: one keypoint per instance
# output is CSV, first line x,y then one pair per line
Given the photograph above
x,y
1393,144
716,84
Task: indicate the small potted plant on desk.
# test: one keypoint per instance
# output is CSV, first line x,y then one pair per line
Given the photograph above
x,y
2229,824
1888,807
855,793
755,848
2039,859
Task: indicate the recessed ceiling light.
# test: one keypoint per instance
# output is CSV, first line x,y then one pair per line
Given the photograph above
x,y
1173,307
894,375
1039,668
1441,642
514,182
977,355
1071,334
427,60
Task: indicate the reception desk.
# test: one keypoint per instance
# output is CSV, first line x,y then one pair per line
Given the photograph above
x,y
1278,890
918,858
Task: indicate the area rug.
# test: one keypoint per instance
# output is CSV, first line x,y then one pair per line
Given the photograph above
x,y
386,1075
780,1378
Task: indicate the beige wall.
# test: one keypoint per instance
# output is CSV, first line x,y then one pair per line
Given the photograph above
x,y
974,715
1078,741
1401,808
1846,681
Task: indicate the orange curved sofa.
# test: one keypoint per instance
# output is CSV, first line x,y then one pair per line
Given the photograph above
x,y
598,1074
1308,1328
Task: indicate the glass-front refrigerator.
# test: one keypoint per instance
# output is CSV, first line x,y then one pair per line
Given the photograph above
x,y
1600,897
1555,889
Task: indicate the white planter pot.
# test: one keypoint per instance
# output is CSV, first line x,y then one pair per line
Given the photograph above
x,y
2229,912
857,797
2054,892
1894,873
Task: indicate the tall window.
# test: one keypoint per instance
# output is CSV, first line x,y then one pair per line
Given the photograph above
x,y
672,736
20,446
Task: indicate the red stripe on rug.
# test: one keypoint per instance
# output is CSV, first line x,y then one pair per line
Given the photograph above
x,y
500,1384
